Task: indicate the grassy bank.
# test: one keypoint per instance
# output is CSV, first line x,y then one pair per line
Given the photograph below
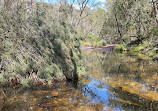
x,y
143,50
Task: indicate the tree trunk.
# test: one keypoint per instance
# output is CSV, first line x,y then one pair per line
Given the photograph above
x,y
117,23
28,7
155,11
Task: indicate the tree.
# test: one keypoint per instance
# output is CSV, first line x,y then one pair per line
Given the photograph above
x,y
117,23
131,18
155,11
28,7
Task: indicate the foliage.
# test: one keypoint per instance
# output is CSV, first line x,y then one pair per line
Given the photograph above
x,y
37,42
130,22
42,41
153,53
121,48
91,27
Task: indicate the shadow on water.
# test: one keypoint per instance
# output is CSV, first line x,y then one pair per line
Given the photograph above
x,y
113,82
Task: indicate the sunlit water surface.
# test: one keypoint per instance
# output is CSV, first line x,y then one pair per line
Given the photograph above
x,y
113,82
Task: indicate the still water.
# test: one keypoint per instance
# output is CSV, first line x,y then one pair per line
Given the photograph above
x,y
113,82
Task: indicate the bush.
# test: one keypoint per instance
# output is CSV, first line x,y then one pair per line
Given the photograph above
x,y
38,43
102,43
121,48
153,53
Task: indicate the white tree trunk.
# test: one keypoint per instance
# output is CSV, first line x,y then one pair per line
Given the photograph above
x,y
28,7
155,11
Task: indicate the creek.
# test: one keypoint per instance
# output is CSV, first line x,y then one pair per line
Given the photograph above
x,y
113,82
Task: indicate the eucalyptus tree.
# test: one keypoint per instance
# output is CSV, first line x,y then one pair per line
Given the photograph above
x,y
129,20
155,10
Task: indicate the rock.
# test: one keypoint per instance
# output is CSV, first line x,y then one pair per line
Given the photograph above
x,y
36,108
41,92
125,88
89,109
54,93
50,93
61,109
132,84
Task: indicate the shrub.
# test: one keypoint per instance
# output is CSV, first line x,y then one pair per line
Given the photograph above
x,y
121,48
38,43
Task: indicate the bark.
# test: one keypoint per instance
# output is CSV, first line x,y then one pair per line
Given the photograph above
x,y
28,7
117,23
71,10
155,11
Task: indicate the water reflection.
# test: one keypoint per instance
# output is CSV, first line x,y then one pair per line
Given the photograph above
x,y
132,80
97,92
115,99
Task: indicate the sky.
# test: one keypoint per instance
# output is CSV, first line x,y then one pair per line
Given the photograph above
x,y
102,0
48,1
53,1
